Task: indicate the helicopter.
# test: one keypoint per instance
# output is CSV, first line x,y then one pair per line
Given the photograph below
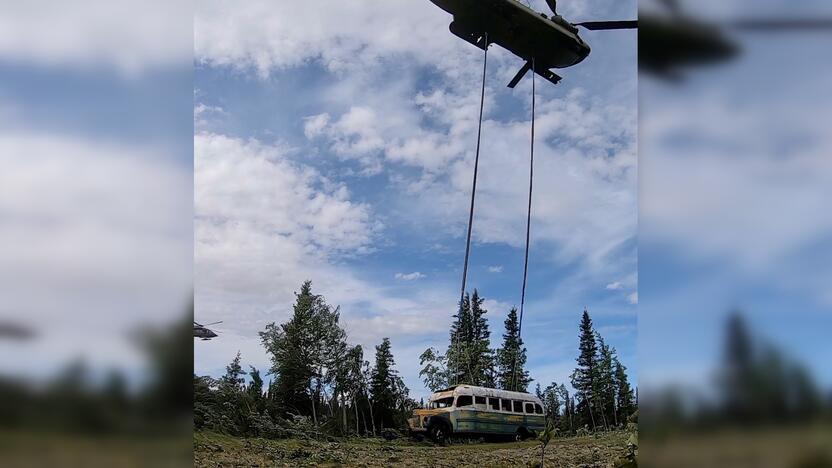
x,y
15,331
204,333
544,42
672,40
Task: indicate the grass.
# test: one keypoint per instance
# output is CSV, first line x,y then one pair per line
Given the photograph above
x,y
216,450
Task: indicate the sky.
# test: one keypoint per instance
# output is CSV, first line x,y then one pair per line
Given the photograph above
x,y
734,191
337,145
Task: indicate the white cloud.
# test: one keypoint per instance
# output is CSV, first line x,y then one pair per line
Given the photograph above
x,y
409,276
262,226
129,35
615,286
495,269
93,233
633,298
267,35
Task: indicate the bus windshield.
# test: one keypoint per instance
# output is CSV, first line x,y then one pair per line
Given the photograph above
x,y
442,402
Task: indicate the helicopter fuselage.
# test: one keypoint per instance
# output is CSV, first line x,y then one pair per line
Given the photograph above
x,y
551,42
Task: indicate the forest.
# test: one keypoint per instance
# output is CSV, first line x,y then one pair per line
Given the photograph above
x,y
321,385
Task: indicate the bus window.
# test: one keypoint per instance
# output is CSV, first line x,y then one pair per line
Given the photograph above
x,y
518,406
506,405
538,409
530,408
494,403
480,400
442,403
464,400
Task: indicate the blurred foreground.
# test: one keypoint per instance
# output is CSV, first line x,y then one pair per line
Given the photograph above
x,y
735,179
96,125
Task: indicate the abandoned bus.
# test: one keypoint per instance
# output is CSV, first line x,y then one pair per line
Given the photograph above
x,y
470,410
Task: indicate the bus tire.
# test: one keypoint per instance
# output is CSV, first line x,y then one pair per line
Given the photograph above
x,y
439,432
522,434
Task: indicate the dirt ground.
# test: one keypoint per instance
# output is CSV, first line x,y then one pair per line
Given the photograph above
x,y
213,450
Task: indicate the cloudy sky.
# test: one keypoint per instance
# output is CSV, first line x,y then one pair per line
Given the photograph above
x,y
336,144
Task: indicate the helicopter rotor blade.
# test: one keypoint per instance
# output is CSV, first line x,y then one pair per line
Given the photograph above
x,y
553,5
781,24
212,323
608,25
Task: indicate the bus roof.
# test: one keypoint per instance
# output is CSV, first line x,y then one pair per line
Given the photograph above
x,y
485,391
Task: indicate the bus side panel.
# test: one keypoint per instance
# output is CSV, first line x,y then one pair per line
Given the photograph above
x,y
536,423
485,422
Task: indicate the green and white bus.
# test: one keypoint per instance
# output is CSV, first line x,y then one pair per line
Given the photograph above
x,y
470,410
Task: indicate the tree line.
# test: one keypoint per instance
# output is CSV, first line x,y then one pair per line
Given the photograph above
x,y
603,396
320,384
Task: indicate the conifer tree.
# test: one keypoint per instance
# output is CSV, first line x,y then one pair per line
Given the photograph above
x,y
623,392
255,386
457,349
480,356
605,387
383,385
511,357
585,376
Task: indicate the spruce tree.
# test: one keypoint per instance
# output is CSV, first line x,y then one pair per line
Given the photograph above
x,y
383,385
584,378
458,347
255,386
480,356
606,381
511,357
623,392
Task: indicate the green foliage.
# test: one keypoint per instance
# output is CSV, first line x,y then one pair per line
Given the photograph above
x,y
585,376
321,385
469,358
434,372
511,357
545,436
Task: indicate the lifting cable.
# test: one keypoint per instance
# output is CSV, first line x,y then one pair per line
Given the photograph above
x,y
471,216
528,229
473,196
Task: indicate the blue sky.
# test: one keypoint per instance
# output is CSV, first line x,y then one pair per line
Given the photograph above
x,y
341,151
734,189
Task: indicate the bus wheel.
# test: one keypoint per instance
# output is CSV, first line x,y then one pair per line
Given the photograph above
x,y
522,434
439,433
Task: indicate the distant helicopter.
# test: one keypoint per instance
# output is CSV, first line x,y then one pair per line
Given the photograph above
x,y
15,331
674,40
205,334
543,42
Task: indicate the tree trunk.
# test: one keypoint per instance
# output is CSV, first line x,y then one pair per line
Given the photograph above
x,y
372,417
344,412
591,416
355,407
314,412
364,420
